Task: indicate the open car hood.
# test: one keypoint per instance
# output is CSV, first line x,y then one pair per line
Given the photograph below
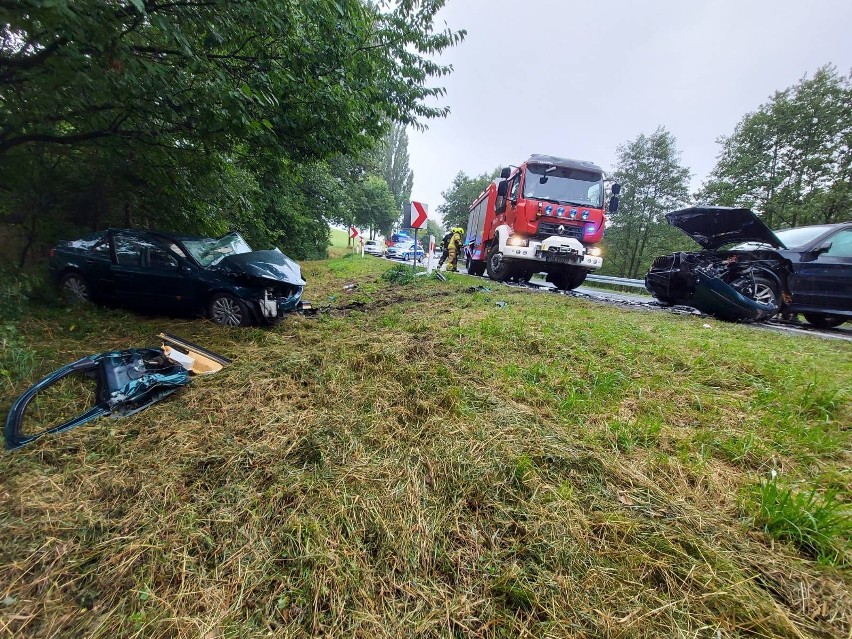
x,y
715,226
271,265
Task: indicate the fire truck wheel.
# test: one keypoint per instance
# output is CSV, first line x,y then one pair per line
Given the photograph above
x,y
499,268
525,275
569,279
559,280
474,267
576,276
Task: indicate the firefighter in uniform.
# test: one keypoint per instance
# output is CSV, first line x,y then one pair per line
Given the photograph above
x,y
445,249
454,248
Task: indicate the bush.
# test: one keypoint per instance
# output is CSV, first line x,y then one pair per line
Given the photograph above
x,y
399,274
14,294
16,360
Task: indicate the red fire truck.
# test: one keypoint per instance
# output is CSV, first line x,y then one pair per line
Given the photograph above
x,y
543,216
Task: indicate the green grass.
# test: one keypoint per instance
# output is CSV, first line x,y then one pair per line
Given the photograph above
x,y
16,359
416,460
339,243
818,523
338,238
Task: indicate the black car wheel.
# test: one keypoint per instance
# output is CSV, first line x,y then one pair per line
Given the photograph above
x,y
824,321
766,291
75,288
665,301
227,310
499,268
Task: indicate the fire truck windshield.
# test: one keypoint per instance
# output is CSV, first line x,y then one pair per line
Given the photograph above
x,y
563,185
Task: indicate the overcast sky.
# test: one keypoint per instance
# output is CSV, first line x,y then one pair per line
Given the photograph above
x,y
576,79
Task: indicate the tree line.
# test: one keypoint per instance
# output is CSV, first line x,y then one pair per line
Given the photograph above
x,y
790,161
274,117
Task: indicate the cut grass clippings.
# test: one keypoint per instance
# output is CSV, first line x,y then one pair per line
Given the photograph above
x,y
416,460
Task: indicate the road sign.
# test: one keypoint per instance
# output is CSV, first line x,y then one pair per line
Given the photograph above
x,y
418,217
353,232
415,215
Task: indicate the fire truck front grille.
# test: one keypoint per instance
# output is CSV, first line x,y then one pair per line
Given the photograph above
x,y
562,230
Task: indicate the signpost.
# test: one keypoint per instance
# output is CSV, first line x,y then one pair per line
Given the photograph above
x,y
415,217
353,233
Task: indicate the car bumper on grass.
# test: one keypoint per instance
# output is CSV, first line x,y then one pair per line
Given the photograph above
x,y
682,283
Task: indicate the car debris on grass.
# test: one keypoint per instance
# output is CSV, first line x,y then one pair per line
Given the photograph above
x,y
128,381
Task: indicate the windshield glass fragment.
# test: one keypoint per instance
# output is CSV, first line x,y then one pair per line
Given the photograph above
x,y
209,252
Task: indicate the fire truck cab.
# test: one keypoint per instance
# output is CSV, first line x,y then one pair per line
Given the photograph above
x,y
544,216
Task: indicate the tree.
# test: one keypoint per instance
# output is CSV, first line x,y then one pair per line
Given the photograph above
x,y
653,183
394,164
295,198
373,206
433,228
462,193
198,114
304,77
790,159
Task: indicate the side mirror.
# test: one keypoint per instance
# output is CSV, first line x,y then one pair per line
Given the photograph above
x,y
822,248
613,204
505,173
184,269
616,188
502,189
500,204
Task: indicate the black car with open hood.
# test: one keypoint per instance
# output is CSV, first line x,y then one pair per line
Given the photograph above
x,y
222,277
804,270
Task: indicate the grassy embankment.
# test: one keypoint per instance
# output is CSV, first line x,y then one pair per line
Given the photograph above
x,y
432,464
338,243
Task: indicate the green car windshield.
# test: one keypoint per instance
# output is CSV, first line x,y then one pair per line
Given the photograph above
x,y
209,252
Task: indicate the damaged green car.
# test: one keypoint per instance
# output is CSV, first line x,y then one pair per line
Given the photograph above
x,y
222,278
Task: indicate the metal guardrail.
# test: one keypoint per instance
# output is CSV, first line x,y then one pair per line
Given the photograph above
x,y
618,281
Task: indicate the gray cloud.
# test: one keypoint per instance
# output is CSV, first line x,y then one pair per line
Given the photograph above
x,y
578,79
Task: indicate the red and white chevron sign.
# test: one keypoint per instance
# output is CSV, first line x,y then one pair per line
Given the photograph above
x,y
418,215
